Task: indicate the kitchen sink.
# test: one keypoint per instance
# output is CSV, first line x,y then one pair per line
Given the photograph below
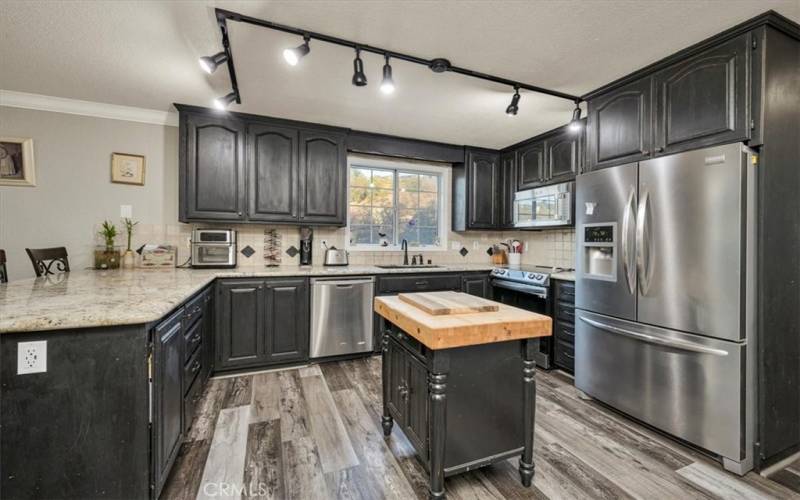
x,y
408,266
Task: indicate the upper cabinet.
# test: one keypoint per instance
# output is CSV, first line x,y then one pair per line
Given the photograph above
x,y
260,170
323,178
508,187
531,168
212,168
704,100
698,101
564,153
483,177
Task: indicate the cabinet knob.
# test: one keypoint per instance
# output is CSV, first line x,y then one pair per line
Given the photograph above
x,y
645,152
659,150
240,213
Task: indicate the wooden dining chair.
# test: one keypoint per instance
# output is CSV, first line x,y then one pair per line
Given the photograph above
x,y
48,260
3,270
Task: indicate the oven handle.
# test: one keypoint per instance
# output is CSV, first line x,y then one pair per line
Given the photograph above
x,y
540,292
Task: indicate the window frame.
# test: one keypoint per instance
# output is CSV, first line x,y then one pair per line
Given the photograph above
x,y
409,166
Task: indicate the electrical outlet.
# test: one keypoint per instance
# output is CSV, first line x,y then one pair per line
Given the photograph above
x,y
126,211
31,357
455,245
476,245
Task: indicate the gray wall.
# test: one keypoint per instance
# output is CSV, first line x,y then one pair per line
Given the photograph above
x,y
73,191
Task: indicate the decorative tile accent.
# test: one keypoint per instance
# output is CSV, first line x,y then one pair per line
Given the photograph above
x,y
248,251
292,251
463,251
489,251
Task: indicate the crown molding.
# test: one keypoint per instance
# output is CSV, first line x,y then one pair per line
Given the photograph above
x,y
40,102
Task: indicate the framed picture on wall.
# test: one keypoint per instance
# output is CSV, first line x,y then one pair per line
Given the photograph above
x,y
127,169
16,162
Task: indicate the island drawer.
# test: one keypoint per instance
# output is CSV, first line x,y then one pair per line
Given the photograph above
x,y
419,283
191,369
194,309
410,343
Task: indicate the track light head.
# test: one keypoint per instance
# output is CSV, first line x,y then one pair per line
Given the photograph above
x,y
294,55
387,85
512,108
210,63
359,78
222,103
575,124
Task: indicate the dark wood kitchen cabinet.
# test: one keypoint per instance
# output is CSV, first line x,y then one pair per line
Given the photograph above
x,y
531,167
167,364
564,325
286,320
508,187
476,284
323,178
564,155
619,127
273,173
476,194
704,100
213,168
261,322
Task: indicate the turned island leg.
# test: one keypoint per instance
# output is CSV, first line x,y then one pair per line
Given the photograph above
x,y
526,467
437,389
386,419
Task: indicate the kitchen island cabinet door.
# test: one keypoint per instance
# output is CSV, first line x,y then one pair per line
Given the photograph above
x,y
416,422
213,165
167,396
240,324
395,393
286,320
323,178
272,170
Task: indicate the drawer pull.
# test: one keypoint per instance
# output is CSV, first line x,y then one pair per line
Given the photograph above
x,y
403,390
196,338
195,366
421,283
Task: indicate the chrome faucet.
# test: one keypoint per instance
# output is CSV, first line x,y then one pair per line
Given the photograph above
x,y
404,248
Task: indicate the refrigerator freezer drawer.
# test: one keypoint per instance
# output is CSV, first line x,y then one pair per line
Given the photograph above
x,y
686,385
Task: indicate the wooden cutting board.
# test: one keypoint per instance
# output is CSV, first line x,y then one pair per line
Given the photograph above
x,y
442,303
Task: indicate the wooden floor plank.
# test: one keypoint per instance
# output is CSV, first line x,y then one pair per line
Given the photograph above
x,y
266,402
263,465
293,410
187,473
354,483
309,371
209,408
335,376
302,471
334,446
239,392
721,483
505,478
788,479
368,442
224,468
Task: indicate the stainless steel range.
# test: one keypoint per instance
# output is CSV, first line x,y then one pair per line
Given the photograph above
x,y
527,287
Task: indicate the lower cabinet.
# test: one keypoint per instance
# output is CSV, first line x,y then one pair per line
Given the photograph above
x,y
477,285
564,325
407,393
261,322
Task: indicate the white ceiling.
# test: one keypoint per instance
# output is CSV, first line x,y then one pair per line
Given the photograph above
x,y
144,54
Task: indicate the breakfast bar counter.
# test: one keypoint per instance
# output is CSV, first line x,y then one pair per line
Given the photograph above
x,y
459,380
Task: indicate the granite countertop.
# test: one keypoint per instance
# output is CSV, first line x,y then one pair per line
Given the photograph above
x,y
82,299
564,276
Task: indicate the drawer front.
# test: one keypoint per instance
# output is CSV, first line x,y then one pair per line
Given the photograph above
x,y
565,355
565,291
193,338
410,343
192,368
194,309
190,402
419,283
565,332
565,312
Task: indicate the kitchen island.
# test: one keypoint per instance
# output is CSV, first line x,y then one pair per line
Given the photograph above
x,y
461,386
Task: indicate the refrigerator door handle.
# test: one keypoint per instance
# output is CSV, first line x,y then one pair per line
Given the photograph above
x,y
643,245
683,345
626,252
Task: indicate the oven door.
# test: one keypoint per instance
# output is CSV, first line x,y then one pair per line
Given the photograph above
x,y
531,298
550,206
211,255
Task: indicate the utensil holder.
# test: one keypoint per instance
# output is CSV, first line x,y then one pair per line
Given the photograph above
x,y
514,259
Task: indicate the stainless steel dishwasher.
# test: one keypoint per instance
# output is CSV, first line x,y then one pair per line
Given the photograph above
x,y
341,316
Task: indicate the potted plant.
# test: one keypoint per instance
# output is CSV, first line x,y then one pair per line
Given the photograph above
x,y
107,256
128,257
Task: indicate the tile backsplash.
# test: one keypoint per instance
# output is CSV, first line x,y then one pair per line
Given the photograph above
x,y
547,248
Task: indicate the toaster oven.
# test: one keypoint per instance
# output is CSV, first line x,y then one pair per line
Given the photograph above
x,y
214,248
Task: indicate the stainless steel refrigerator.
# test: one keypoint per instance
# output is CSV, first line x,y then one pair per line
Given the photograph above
x,y
665,295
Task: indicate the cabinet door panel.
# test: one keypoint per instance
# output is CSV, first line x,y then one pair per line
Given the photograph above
x,y
563,156
396,358
619,125
508,187
323,171
416,426
476,285
168,396
214,166
703,101
286,318
531,165
240,324
484,175
272,167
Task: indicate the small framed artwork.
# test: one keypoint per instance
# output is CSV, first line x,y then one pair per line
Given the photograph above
x,y
127,169
16,162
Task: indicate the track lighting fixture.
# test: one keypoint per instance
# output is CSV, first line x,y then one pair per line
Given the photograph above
x,y
294,55
210,63
575,124
512,108
387,85
359,78
222,103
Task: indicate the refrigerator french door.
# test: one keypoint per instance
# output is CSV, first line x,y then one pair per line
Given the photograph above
x,y
665,295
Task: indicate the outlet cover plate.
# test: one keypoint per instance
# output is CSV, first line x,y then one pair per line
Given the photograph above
x,y
31,357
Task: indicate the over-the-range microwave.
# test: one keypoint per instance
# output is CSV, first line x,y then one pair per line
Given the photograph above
x,y
545,207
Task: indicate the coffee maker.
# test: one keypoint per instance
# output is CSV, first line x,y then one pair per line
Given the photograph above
x,y
306,244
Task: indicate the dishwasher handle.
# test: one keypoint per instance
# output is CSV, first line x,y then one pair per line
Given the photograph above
x,y
341,282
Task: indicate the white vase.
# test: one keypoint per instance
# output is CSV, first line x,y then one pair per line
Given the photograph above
x,y
128,259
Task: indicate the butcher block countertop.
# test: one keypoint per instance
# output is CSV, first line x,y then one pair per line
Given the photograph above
x,y
461,330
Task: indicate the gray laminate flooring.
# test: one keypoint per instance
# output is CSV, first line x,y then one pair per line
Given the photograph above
x,y
314,433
